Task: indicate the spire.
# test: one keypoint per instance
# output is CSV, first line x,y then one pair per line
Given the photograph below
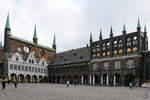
x,y
35,34
111,32
7,22
124,29
100,36
54,43
35,39
145,30
138,25
91,39
54,40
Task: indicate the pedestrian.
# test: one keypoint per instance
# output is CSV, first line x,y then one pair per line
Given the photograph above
x,y
130,85
15,84
68,83
3,84
75,83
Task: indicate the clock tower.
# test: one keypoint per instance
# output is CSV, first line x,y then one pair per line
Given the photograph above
x,y
6,35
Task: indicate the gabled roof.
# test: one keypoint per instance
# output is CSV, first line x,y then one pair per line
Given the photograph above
x,y
72,56
29,42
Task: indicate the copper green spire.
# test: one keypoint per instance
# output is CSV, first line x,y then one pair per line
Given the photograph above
x,y
35,34
54,40
124,28
138,25
145,30
7,22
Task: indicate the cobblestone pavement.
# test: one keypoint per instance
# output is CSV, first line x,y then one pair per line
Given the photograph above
x,y
27,91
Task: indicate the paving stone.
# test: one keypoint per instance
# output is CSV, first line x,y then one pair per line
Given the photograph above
x,y
36,91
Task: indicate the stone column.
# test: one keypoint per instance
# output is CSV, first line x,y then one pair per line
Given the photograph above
x,y
101,79
31,79
107,82
93,79
82,78
19,78
60,81
114,80
38,79
90,77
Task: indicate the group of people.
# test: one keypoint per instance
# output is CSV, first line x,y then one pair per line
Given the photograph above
x,y
4,83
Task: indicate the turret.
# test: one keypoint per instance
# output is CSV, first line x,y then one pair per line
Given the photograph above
x,y
124,29
100,35
91,39
7,33
35,39
138,26
111,32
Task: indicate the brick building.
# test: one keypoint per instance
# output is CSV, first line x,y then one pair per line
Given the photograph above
x,y
24,60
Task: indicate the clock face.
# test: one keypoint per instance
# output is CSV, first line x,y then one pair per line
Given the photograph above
x,y
104,54
98,54
128,50
120,51
135,49
115,52
26,49
108,53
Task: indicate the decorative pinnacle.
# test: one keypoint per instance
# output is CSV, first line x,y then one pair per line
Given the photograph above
x,y
138,25
91,36
145,30
124,28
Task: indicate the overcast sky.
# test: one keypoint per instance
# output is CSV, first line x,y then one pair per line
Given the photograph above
x,y
72,20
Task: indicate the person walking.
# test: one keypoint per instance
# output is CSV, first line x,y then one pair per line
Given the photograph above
x,y
15,84
3,84
130,85
68,83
